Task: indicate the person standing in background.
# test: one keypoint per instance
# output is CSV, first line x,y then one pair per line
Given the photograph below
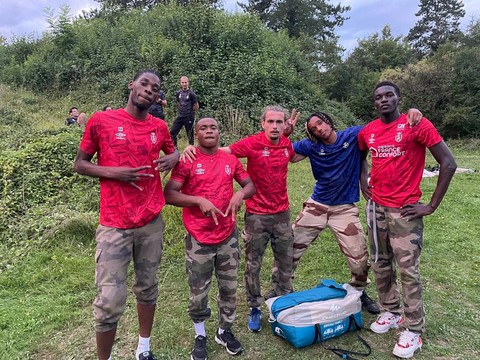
x,y
187,104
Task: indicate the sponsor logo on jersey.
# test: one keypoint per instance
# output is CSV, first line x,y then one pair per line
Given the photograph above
x,y
120,135
200,170
386,151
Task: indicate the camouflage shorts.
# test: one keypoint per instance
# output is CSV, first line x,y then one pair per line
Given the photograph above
x,y
201,261
398,243
115,249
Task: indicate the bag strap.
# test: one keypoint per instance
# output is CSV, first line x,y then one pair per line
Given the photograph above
x,y
343,353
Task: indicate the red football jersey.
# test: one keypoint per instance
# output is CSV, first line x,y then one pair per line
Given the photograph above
x,y
267,165
120,140
398,158
211,177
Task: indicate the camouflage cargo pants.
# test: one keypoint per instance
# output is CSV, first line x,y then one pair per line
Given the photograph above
x,y
259,229
115,249
344,222
397,243
201,261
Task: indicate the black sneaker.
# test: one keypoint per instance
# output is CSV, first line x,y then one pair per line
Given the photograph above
x,y
228,340
368,304
146,355
199,351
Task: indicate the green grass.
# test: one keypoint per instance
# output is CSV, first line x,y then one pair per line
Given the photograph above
x,y
45,310
46,288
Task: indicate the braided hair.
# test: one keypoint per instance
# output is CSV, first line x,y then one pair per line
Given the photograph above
x,y
322,116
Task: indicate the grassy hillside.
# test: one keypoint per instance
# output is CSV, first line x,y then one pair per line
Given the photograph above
x,y
47,268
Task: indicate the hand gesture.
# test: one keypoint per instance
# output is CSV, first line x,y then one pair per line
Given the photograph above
x,y
235,204
167,162
130,175
208,209
291,122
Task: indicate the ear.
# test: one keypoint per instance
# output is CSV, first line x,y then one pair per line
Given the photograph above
x,y
130,85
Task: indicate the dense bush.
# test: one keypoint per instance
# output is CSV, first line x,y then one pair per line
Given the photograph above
x,y
233,61
37,179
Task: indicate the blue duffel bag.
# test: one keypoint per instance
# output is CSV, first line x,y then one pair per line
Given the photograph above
x,y
306,317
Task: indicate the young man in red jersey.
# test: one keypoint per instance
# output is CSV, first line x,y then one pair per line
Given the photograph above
x,y
395,213
204,188
267,216
128,142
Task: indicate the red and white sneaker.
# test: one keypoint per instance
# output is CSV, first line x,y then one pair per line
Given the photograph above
x,y
407,344
385,322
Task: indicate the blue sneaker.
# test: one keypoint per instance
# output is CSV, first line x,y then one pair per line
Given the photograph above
x,y
255,320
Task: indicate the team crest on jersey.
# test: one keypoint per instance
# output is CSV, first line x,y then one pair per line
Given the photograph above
x,y
228,169
345,145
398,137
285,151
120,135
153,137
265,152
372,139
200,170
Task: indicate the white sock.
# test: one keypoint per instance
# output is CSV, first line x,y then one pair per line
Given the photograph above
x,y
200,329
109,358
143,344
220,331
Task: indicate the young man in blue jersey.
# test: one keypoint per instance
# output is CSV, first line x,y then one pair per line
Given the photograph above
x,y
336,162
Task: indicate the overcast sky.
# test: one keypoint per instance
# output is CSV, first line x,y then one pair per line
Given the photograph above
x,y
26,17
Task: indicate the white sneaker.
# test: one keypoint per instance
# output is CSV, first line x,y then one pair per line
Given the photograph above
x,y
385,322
407,344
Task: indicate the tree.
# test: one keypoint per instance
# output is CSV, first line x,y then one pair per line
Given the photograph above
x,y
147,4
381,51
353,80
315,20
439,23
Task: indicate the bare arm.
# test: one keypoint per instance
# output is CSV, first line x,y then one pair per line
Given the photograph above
x,y
364,187
444,157
196,107
297,158
84,166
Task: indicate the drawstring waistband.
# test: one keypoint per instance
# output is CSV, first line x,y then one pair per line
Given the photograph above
x,y
370,203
